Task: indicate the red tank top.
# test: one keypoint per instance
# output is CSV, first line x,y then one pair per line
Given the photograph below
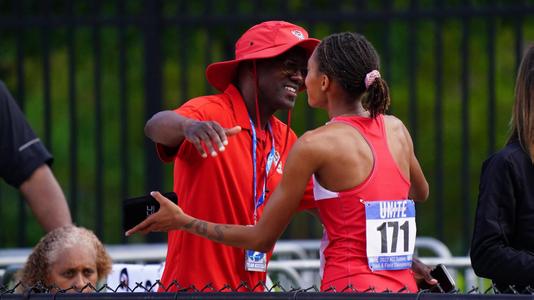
x,y
343,215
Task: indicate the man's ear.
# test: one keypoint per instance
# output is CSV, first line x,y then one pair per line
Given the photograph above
x,y
243,74
325,82
244,67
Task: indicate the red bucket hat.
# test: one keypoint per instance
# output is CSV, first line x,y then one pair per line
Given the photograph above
x,y
265,40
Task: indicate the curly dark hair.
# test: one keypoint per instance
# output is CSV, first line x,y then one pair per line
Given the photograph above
x,y
45,254
347,57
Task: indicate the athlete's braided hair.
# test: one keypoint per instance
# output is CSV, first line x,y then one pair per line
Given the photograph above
x,y
347,57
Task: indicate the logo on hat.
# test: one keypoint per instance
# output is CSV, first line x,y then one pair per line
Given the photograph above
x,y
298,34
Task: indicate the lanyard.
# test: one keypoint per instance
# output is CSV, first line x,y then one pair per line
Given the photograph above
x,y
258,201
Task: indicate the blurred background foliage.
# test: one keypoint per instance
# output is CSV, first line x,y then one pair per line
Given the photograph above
x,y
195,33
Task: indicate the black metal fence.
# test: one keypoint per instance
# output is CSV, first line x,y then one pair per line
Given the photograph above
x,y
88,74
259,291
245,292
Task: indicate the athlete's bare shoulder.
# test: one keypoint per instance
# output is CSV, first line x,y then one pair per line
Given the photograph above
x,y
314,137
393,122
396,127
399,138
318,142
308,151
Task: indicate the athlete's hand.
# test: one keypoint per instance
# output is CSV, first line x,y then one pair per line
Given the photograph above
x,y
421,273
208,135
169,217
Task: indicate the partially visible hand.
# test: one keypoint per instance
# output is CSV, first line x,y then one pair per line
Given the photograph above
x,y
169,217
422,273
208,134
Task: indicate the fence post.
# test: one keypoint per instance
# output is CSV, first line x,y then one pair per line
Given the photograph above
x,y
152,27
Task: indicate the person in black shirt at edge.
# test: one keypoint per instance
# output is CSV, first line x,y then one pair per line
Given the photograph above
x,y
503,239
24,164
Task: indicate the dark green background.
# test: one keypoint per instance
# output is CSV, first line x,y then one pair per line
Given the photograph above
x,y
187,29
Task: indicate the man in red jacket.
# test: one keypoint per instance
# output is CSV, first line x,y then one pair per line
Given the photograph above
x,y
229,151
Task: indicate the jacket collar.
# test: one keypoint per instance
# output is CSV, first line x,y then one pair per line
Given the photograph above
x,y
239,107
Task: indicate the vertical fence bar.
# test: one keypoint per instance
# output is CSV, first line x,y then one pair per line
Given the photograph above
x,y
465,174
491,79
153,91
153,80
519,35
361,7
208,11
99,156
518,32
21,98
3,238
283,5
412,69
73,112
45,44
438,123
386,42
257,7
183,39
123,147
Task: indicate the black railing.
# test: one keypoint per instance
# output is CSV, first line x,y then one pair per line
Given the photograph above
x,y
243,291
89,73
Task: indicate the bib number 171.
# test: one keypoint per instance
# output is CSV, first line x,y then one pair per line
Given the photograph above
x,y
383,230
390,233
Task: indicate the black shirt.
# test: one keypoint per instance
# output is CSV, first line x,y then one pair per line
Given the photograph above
x,y
503,240
21,152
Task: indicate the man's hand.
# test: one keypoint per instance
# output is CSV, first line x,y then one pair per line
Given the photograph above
x,y
421,273
169,217
208,134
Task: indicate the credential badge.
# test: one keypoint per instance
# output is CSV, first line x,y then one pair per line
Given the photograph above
x,y
279,169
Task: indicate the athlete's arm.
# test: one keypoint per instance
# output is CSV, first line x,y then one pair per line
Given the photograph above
x,y
419,186
302,161
170,129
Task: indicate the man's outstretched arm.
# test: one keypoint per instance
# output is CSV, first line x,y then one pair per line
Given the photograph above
x,y
46,199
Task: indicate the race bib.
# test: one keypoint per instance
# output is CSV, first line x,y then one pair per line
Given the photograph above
x,y
390,232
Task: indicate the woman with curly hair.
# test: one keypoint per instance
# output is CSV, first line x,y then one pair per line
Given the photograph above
x,y
69,258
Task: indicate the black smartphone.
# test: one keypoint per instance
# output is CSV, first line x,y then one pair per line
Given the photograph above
x,y
444,278
135,210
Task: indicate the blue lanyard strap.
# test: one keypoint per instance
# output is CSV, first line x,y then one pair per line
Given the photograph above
x,y
258,201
